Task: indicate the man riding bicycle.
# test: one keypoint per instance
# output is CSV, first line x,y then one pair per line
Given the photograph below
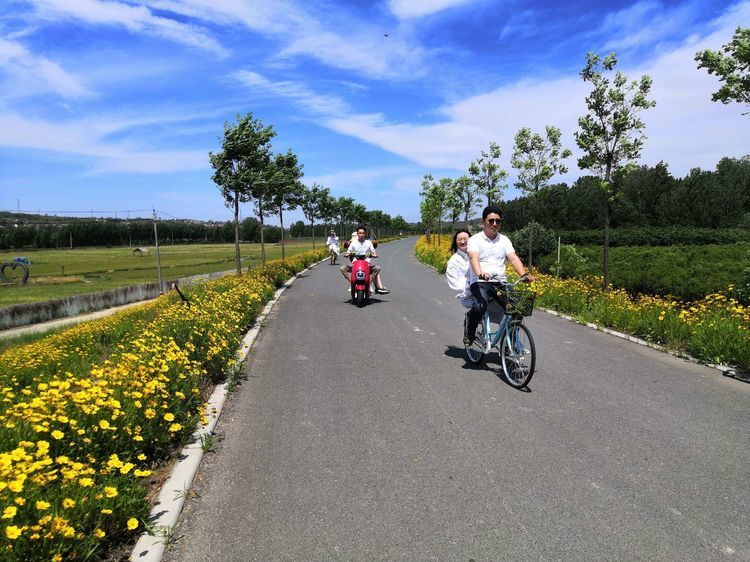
x,y
488,251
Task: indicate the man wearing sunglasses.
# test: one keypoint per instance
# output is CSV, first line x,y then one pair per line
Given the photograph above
x,y
488,251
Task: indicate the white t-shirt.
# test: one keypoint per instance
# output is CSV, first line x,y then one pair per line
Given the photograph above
x,y
333,243
361,248
492,254
457,273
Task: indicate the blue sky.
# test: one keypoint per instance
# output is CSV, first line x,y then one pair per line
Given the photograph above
x,y
112,106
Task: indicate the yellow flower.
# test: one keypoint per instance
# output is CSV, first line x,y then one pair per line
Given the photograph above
x,y
42,505
104,424
10,512
110,491
86,482
68,503
98,533
175,427
168,417
12,532
132,523
16,486
107,511
149,413
142,473
69,532
57,434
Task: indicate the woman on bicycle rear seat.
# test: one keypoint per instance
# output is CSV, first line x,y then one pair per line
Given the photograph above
x,y
457,271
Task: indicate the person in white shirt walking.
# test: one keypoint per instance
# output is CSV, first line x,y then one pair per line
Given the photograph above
x,y
488,251
363,247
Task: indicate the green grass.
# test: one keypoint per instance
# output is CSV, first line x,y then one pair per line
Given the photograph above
x,y
61,273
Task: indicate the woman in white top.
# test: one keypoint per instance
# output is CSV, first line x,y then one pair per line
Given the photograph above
x,y
333,246
457,271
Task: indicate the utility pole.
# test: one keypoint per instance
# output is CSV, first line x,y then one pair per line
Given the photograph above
x,y
158,258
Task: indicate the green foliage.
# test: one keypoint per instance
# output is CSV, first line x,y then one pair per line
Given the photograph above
x,y
488,176
657,236
544,239
732,67
572,262
684,272
741,289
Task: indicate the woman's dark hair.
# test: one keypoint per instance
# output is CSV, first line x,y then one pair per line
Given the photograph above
x,y
454,246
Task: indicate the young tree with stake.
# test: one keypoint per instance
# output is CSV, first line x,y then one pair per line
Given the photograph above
x,y
610,133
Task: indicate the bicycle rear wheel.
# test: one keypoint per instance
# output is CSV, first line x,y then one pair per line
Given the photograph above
x,y
475,351
518,355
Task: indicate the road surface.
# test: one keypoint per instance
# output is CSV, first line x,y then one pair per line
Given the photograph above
x,y
362,434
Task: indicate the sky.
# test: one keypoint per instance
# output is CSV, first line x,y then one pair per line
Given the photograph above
x,y
109,108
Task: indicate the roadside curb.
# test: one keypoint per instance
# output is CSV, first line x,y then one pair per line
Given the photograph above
x,y
726,371
174,491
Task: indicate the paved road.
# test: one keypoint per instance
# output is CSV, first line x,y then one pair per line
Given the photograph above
x,y
361,434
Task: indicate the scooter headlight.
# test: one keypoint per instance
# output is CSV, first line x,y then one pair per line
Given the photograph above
x,y
360,276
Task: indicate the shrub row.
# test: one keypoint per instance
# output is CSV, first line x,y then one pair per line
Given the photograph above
x,y
656,236
89,412
684,272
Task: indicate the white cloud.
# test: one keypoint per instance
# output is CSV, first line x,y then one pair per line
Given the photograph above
x,y
295,91
29,73
685,129
405,9
137,19
88,140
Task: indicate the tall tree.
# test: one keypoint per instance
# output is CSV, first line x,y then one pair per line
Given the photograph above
x,y
610,133
488,176
313,205
731,67
431,206
240,166
285,188
537,159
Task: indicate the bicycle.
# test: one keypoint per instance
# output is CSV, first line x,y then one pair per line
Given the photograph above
x,y
502,328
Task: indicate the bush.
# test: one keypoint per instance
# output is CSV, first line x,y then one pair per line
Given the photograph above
x,y
741,289
657,236
572,262
685,272
545,240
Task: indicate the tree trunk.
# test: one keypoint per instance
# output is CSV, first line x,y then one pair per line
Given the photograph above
x,y
427,235
312,230
262,236
531,242
281,220
237,232
606,243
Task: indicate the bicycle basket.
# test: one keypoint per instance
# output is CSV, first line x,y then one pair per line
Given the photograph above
x,y
517,302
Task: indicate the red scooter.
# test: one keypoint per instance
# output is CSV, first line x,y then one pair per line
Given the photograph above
x,y
360,280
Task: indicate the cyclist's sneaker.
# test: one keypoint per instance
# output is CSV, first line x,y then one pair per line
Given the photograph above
x,y
382,291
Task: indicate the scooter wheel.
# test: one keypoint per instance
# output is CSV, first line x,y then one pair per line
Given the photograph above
x,y
359,298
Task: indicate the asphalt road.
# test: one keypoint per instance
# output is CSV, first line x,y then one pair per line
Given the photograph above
x,y
362,434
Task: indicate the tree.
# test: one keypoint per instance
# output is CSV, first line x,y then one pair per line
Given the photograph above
x,y
432,205
538,160
611,132
313,204
731,67
487,175
240,166
284,188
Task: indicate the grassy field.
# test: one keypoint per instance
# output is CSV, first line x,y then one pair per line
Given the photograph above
x,y
62,273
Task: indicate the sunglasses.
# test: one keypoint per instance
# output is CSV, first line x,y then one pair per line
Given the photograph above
x,y
493,221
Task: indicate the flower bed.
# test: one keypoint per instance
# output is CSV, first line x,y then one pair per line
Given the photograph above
x,y
89,412
715,329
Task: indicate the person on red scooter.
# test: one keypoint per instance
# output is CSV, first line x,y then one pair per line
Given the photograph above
x,y
363,246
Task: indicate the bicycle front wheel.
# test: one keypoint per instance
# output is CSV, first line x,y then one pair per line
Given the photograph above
x,y
475,351
518,355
